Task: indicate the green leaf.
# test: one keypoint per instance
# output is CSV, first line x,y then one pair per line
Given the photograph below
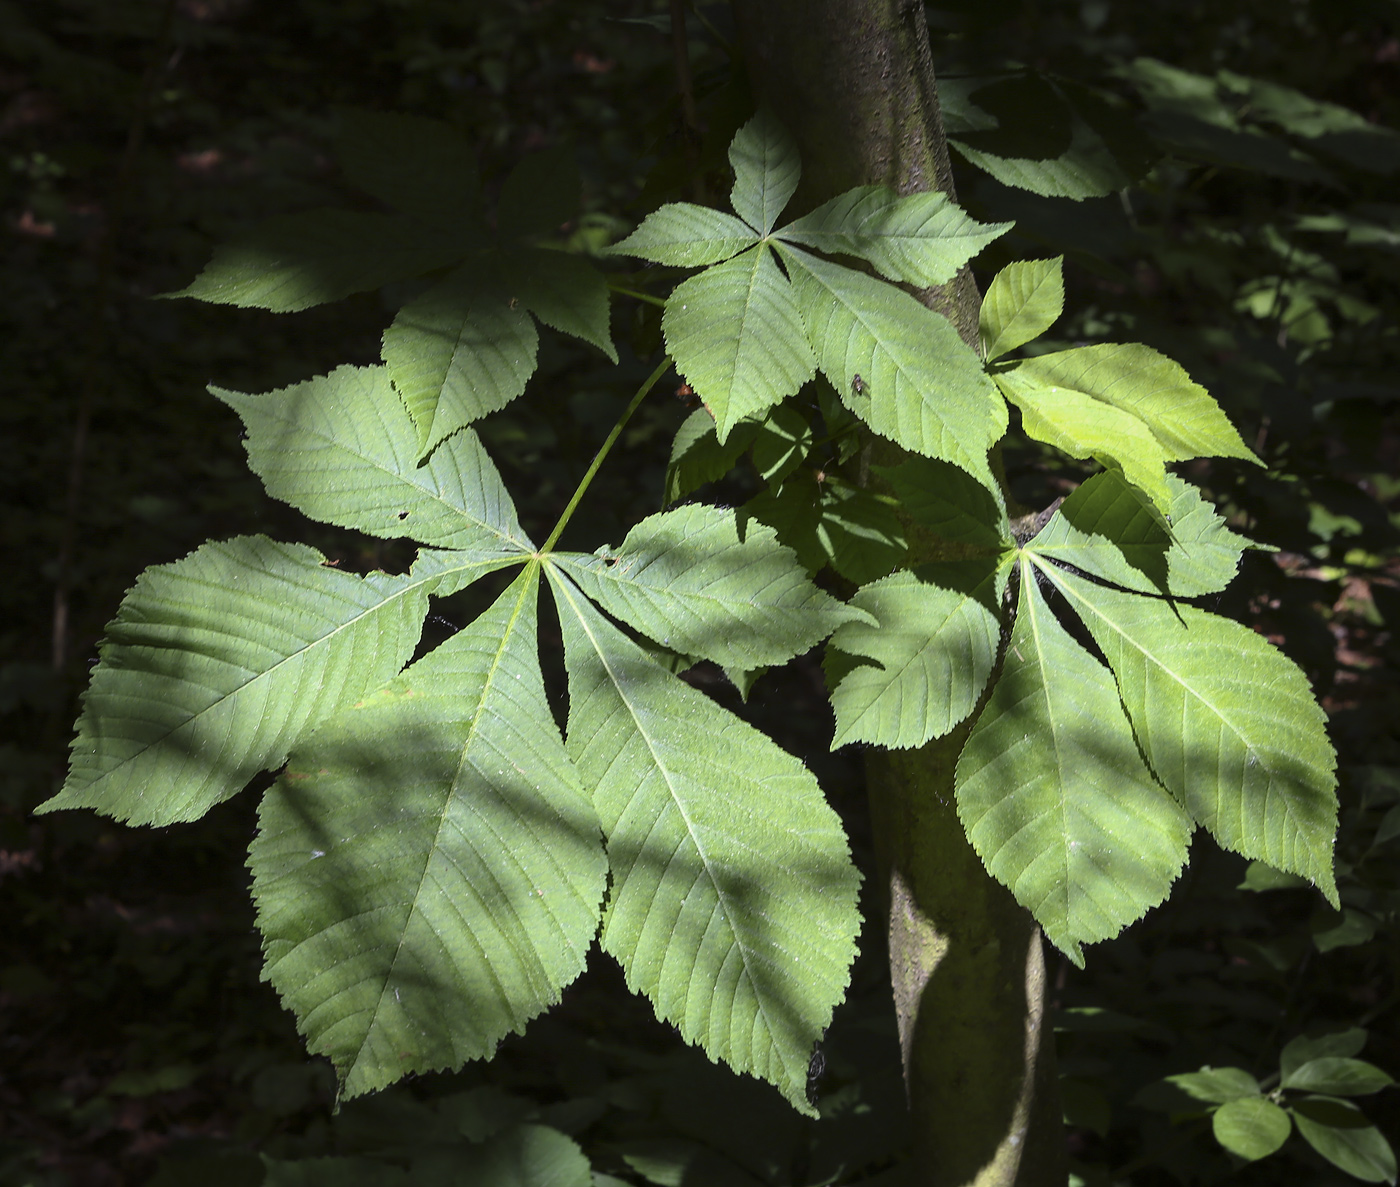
x,y
1217,1085
737,337
1344,929
541,193
1109,529
782,444
330,1172
1337,1076
689,580
342,449
1251,1128
295,261
766,171
1054,795
923,388
562,290
428,871
951,502
697,457
687,236
1124,405
1259,876
830,522
1022,302
1338,1131
1341,1045
1228,723
218,664
457,353
422,167
733,904
931,644
522,1156
920,239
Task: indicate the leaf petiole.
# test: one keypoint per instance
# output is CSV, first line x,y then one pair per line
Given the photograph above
x,y
603,451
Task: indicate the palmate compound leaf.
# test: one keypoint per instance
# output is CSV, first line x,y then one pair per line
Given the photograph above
x,y
1022,302
1054,795
951,502
428,871
697,457
1125,405
920,385
295,261
218,664
766,171
733,904
687,236
343,449
921,239
423,167
1108,529
917,668
1228,723
459,351
689,580
737,337
564,291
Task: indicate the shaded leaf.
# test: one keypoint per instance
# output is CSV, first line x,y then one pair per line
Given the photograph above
x,y
931,645
457,353
562,290
1251,1128
921,385
218,664
951,502
920,238
736,335
698,457
428,871
1022,302
420,166
830,522
1339,1133
782,444
295,261
1054,795
1342,1044
733,903
342,449
1228,723
1337,1076
539,195
691,581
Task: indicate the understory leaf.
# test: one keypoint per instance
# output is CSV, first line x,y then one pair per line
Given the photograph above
x,y
218,664
687,236
420,166
698,457
295,261
343,449
428,871
951,502
562,290
733,904
1054,795
1228,723
1124,405
766,171
921,238
1022,302
830,522
1107,528
457,353
689,580
736,335
1338,1130
923,659
920,384
1252,1127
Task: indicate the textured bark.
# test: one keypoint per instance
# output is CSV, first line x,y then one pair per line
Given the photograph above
x,y
853,80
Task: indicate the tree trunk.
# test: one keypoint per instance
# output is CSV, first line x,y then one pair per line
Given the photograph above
x,y
853,80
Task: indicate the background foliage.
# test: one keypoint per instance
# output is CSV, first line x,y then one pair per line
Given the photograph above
x,y
1262,253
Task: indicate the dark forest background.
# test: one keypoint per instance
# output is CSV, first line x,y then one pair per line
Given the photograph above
x,y
1260,246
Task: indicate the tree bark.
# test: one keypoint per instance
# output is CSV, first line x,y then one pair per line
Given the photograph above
x,y
853,81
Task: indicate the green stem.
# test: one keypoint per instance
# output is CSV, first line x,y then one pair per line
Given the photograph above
x,y
603,451
647,297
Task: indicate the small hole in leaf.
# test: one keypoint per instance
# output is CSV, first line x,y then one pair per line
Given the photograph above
x,y
403,515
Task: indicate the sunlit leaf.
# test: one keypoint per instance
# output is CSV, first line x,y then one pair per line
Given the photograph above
x,y
736,335
1022,302
428,871
687,236
1228,723
217,665
766,171
733,901
1251,1128
1054,794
